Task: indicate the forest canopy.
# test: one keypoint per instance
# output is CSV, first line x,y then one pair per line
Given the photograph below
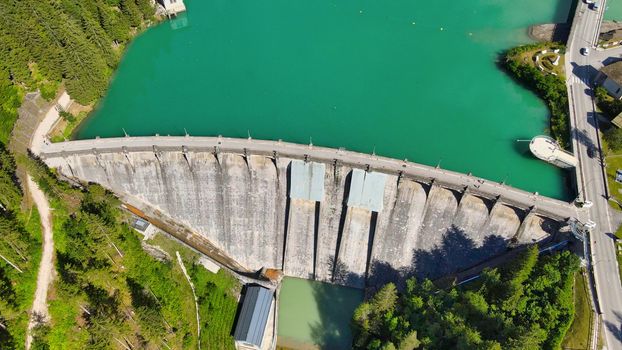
x,y
78,42
527,305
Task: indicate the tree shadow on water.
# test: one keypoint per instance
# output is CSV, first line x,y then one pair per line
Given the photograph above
x,y
336,306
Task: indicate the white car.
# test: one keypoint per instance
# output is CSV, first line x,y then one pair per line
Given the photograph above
x,y
585,51
590,224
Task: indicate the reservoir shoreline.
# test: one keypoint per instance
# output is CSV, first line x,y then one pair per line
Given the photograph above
x,y
390,118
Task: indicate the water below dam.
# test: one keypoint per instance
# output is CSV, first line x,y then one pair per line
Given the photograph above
x,y
315,314
407,78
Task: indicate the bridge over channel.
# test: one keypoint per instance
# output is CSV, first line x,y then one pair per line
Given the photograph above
x,y
317,213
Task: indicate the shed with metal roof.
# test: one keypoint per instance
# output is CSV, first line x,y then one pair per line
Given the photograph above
x,y
251,325
610,78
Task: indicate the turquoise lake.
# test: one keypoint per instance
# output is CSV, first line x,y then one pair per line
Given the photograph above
x,y
409,78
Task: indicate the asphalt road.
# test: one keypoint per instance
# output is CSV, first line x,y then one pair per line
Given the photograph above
x,y
581,70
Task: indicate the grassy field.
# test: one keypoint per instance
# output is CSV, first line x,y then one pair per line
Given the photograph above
x,y
614,162
66,127
216,309
528,57
578,336
618,252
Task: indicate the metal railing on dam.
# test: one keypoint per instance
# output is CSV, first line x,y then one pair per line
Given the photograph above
x,y
522,199
318,213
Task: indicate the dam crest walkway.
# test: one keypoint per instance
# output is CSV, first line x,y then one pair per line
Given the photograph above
x,y
534,202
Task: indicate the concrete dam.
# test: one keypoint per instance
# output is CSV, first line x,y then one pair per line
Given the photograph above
x,y
316,213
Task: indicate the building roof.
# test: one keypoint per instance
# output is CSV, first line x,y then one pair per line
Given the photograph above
x,y
614,72
617,121
366,190
254,315
307,180
140,224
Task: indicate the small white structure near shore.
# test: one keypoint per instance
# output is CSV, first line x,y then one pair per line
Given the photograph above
x,y
549,151
173,7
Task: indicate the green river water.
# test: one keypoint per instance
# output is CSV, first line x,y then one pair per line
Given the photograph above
x,y
409,78
316,313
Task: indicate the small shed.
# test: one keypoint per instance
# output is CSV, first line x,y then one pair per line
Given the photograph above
x,y
251,325
612,81
173,7
140,224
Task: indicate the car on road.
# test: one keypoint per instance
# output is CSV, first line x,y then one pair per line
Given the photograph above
x,y
585,51
591,151
590,224
584,204
589,2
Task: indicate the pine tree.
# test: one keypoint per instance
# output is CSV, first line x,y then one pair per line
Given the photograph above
x,y
131,12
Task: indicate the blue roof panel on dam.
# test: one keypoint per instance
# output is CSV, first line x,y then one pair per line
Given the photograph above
x,y
253,316
307,180
367,190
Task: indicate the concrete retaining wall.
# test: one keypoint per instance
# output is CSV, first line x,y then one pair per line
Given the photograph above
x,y
240,204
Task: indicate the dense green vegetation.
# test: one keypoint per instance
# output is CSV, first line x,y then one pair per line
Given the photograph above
x,y
551,88
610,107
111,292
607,104
71,123
20,240
578,336
528,304
217,294
76,42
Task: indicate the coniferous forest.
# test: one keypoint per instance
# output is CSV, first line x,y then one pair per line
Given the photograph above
x,y
76,42
108,292
527,304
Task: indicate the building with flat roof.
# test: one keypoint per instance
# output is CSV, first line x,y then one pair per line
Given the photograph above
x,y
610,77
251,325
173,7
547,149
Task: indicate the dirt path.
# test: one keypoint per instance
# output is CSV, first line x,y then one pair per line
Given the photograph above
x,y
39,137
39,311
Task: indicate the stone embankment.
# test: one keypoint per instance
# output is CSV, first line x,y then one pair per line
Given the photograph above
x,y
559,31
355,225
550,32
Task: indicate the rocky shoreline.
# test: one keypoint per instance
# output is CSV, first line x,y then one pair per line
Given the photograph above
x,y
559,31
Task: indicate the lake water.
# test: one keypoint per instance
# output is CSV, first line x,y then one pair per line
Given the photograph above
x,y
614,10
316,314
409,78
